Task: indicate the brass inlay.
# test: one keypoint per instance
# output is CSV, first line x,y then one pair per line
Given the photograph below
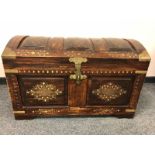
x,y
144,56
109,91
11,71
130,110
9,54
44,92
140,72
78,76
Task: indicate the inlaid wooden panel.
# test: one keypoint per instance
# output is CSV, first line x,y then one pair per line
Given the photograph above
x,y
109,91
43,91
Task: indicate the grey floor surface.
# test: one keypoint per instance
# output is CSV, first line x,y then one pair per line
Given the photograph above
x,y
142,123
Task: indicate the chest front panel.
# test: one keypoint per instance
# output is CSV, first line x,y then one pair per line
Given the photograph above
x,y
54,93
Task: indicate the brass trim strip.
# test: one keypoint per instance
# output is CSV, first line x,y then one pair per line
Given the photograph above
x,y
9,54
140,72
19,112
130,110
11,71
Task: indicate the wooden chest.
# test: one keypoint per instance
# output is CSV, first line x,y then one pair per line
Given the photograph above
x,y
74,76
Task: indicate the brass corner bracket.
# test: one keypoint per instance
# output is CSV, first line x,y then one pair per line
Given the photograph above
x,y
144,56
19,112
140,72
11,71
130,110
9,54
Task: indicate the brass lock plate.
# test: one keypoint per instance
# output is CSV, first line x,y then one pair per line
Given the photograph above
x,y
78,76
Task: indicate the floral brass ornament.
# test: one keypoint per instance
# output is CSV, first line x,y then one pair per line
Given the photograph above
x,y
109,91
44,92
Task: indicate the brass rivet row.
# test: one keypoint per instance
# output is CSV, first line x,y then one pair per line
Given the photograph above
x,y
123,55
108,72
88,72
32,53
137,83
15,90
45,71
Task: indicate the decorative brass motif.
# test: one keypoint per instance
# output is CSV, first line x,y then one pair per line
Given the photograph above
x,y
44,92
78,76
109,91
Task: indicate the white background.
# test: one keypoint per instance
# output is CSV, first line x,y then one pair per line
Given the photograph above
x,y
77,145
81,18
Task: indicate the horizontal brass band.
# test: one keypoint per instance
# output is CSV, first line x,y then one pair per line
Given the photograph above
x,y
9,54
19,112
130,110
140,72
11,71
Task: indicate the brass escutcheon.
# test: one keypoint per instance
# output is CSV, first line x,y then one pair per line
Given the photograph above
x,y
78,76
